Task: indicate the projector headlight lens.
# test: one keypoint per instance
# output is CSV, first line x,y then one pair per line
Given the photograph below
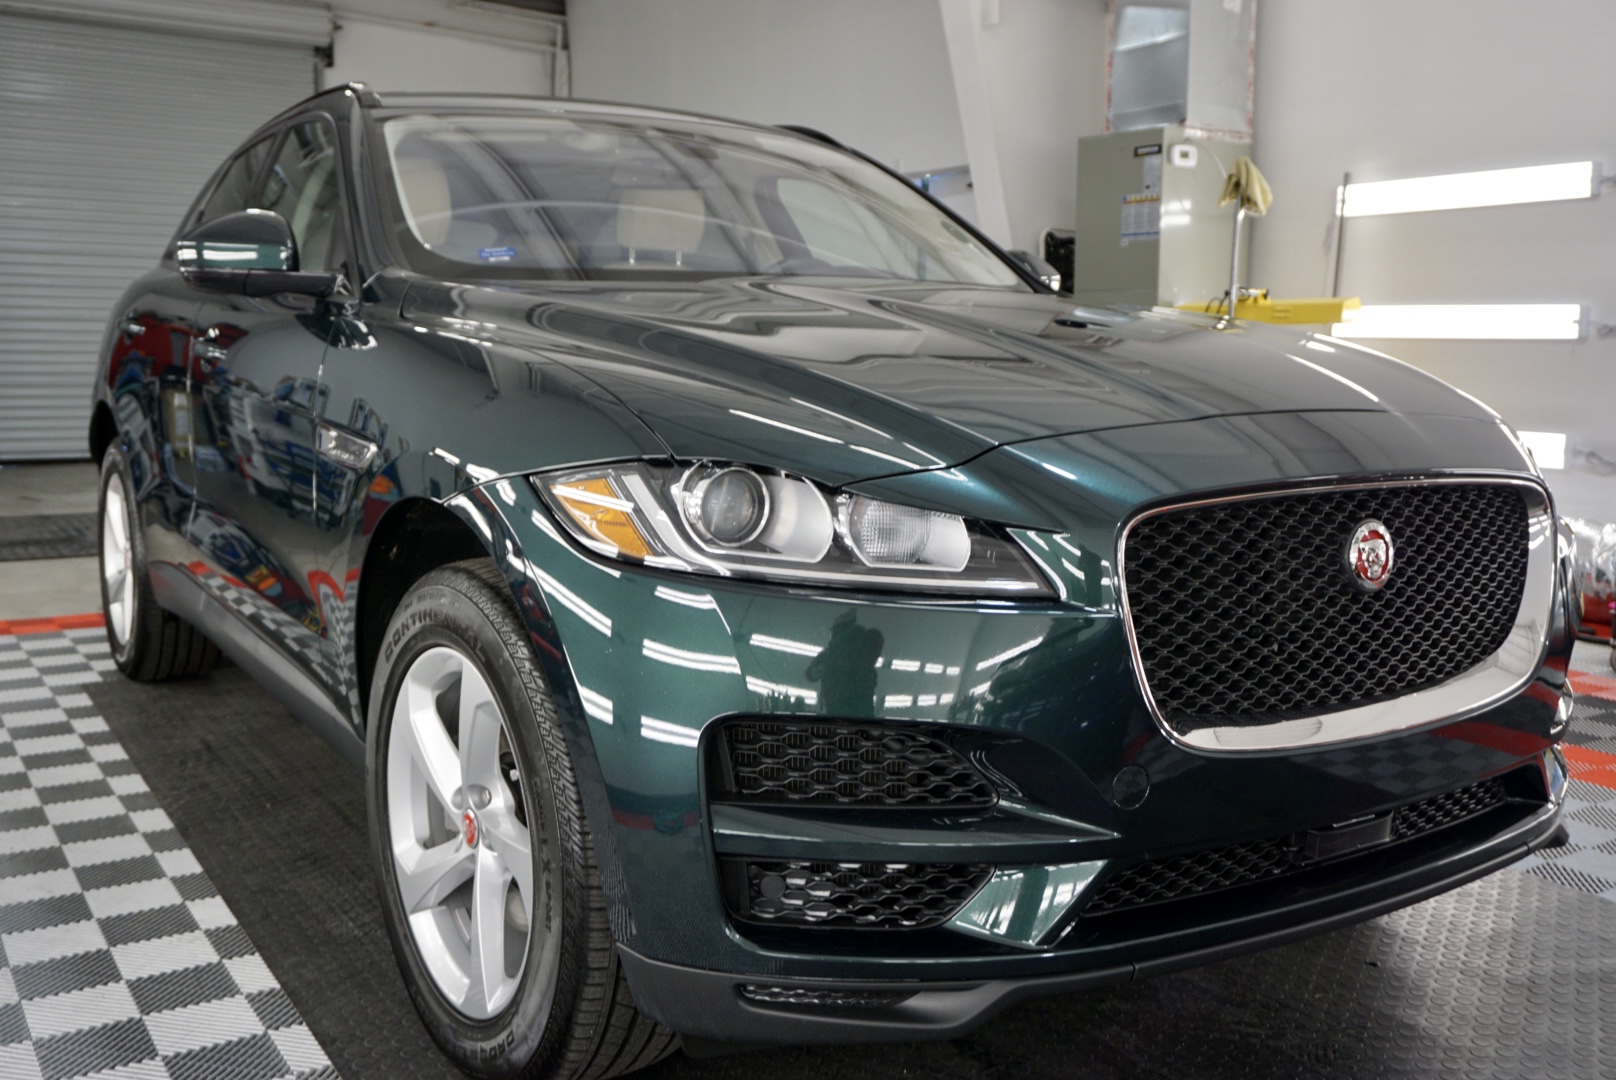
x,y
726,506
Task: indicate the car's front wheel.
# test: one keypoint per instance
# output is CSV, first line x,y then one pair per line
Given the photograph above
x,y
485,865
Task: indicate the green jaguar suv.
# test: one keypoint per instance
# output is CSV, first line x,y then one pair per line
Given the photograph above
x,y
762,611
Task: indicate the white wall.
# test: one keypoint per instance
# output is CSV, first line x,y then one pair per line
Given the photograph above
x,y
432,45
1389,89
1030,81
872,74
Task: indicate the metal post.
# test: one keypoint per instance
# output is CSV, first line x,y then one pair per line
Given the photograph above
x,y
1340,232
1234,259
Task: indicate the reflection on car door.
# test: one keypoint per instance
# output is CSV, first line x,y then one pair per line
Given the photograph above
x,y
259,396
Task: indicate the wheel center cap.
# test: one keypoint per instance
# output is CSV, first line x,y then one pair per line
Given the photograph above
x,y
468,828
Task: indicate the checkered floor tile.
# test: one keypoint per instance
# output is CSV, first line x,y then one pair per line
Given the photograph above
x,y
1588,862
118,958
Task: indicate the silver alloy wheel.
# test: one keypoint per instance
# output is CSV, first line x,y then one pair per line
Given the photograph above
x,y
458,831
117,560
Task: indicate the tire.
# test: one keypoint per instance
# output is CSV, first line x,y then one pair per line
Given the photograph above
x,y
148,643
456,656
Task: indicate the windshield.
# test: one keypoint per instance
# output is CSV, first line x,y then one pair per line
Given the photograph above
x,y
604,197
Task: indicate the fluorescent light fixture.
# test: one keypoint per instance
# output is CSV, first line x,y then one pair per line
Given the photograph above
x,y
1548,447
1515,322
1455,191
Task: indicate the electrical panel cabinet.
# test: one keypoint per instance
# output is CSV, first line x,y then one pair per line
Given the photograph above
x,y
1149,227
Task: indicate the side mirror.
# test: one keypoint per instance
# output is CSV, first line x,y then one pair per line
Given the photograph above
x,y
1038,268
250,253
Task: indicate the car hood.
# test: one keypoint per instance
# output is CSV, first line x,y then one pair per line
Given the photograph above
x,y
850,382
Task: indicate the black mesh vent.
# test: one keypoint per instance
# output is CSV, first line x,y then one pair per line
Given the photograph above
x,y
849,764
1192,875
823,999
1206,872
1428,814
1245,613
887,896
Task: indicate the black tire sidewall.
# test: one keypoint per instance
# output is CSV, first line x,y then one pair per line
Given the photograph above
x,y
533,1026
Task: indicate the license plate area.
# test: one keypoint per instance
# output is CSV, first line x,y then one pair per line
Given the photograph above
x,y
1348,838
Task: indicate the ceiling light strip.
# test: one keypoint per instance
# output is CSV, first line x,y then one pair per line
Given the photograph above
x,y
1466,322
1457,191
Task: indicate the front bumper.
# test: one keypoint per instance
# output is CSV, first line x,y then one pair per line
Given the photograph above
x,y
702,1004
645,667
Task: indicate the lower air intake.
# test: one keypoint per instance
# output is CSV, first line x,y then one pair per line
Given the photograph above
x,y
874,896
841,763
1204,872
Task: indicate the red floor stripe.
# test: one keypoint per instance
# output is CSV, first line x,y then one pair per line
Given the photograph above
x,y
1591,766
1599,686
51,624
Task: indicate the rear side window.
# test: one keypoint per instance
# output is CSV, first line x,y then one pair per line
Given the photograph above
x,y
234,192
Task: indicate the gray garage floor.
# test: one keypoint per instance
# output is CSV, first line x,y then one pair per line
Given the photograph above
x,y
32,588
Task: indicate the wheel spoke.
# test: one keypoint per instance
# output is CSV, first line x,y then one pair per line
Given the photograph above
x,y
427,743
115,518
509,839
488,928
117,577
479,732
426,876
462,855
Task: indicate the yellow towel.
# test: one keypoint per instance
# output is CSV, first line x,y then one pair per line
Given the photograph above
x,y
1245,182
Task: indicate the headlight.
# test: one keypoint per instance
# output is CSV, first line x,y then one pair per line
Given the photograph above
x,y
734,521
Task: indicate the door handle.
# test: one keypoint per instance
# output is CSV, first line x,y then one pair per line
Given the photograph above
x,y
130,328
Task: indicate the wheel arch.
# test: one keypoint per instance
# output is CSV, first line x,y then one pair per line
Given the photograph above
x,y
418,535
414,537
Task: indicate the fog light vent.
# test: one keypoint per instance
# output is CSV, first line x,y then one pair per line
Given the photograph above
x,y
777,761
881,896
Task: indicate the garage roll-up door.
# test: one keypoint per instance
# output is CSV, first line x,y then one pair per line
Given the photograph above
x,y
106,134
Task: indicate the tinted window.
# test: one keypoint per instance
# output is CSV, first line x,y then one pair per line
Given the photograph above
x,y
234,191
302,186
841,231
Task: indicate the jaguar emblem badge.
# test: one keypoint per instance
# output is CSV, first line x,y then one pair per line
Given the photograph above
x,y
1369,555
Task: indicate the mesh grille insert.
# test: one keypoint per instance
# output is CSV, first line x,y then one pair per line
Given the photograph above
x,y
1204,872
889,896
848,764
1244,612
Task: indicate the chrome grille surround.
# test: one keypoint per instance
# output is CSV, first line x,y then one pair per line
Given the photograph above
x,y
1496,678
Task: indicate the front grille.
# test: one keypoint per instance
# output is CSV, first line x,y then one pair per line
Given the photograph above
x,y
849,764
1244,612
883,896
1204,872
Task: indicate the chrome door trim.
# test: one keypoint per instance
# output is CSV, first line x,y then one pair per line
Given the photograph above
x,y
1496,679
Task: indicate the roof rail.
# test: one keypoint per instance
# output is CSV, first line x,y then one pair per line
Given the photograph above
x,y
812,133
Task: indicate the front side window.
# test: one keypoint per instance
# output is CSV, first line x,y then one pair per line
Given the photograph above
x,y
302,186
607,197
234,190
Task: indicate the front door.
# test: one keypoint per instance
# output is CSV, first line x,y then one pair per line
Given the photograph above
x,y
258,393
